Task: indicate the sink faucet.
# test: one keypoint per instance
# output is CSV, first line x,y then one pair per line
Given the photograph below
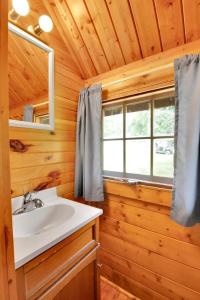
x,y
29,203
27,197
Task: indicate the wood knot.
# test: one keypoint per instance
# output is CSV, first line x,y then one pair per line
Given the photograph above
x,y
54,174
18,146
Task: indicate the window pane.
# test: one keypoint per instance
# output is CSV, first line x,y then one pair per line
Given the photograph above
x,y
113,156
138,120
164,116
138,157
163,157
113,122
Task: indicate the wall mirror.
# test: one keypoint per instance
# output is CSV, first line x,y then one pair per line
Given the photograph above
x,y
31,81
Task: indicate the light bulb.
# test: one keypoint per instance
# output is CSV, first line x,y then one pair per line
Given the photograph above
x,y
21,7
30,28
45,23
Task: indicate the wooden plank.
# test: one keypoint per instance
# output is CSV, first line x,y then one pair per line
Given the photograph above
x,y
137,203
63,102
191,12
69,196
39,146
146,64
8,288
145,17
106,33
65,125
125,29
132,286
171,269
149,194
32,159
171,248
140,84
26,146
162,285
47,7
147,278
65,180
88,33
27,135
151,264
35,172
21,289
170,20
66,191
63,113
67,80
151,220
68,30
66,91
109,290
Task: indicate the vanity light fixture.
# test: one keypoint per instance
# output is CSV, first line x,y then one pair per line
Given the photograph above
x,y
45,24
19,8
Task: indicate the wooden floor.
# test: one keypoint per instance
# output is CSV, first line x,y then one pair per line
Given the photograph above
x,y
110,291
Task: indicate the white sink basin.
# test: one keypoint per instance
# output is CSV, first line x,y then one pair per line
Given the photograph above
x,y
41,220
38,230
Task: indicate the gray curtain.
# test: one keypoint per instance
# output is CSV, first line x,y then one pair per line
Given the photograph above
x,y
28,113
88,170
186,193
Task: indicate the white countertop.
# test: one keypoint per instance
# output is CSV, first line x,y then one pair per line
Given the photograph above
x,y
28,247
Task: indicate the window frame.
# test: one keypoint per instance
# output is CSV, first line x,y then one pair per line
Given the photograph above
x,y
151,137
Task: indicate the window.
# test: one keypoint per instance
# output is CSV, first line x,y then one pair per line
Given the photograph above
x,y
42,119
138,140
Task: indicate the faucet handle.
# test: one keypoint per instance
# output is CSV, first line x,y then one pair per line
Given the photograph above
x,y
28,196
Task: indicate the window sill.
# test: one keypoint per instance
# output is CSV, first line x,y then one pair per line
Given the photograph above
x,y
138,182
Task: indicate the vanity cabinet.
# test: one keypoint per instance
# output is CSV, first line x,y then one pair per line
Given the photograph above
x,y
67,271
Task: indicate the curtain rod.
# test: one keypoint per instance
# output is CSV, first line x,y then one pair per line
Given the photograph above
x,y
41,104
159,68
139,96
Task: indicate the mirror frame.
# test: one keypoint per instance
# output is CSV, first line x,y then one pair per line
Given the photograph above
x,y
30,38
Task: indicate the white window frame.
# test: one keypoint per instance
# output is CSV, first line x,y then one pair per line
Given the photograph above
x,y
152,137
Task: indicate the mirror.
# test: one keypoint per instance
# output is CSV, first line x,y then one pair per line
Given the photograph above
x,y
31,81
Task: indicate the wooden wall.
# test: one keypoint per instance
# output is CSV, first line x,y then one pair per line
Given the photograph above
x,y
151,73
142,249
7,271
42,159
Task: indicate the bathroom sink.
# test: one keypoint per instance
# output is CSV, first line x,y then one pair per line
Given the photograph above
x,y
38,230
41,219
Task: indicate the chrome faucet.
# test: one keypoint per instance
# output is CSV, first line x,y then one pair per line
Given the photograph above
x,y
29,203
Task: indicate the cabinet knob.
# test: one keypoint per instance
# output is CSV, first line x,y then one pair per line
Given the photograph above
x,y
99,266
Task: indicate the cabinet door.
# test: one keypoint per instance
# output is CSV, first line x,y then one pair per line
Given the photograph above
x,y
81,286
80,283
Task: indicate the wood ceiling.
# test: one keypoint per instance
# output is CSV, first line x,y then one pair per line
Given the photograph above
x,y
102,35
106,34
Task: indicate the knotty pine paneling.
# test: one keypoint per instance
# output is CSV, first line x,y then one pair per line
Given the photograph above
x,y
144,75
41,159
111,291
142,249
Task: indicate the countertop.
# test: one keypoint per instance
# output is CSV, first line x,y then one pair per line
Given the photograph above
x,y
29,247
